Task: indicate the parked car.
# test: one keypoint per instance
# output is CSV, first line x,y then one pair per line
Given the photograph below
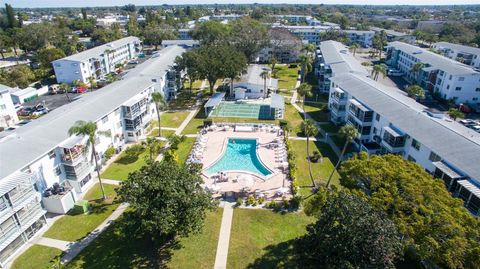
x,y
18,107
394,73
41,111
464,108
26,111
133,62
476,128
77,90
467,122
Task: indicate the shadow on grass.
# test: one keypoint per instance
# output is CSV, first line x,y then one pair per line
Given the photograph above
x,y
284,255
127,159
117,247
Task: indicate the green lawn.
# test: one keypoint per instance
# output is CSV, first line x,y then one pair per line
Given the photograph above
x,y
114,249
317,112
196,123
171,119
287,77
184,149
123,165
165,133
184,100
330,127
74,227
198,251
262,238
195,85
36,257
320,170
294,118
340,143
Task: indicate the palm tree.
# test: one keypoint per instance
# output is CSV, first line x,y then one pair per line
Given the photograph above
x,y
416,91
354,48
455,113
89,129
273,61
416,69
303,91
93,83
310,130
379,69
348,132
64,87
160,104
265,75
153,146
306,63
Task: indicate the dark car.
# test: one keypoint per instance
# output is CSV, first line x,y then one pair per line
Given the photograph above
x,y
26,111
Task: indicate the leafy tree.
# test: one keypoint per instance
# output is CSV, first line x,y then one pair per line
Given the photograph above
x,y
84,13
5,44
89,129
36,36
64,87
166,200
306,63
379,42
416,69
416,91
48,55
232,63
211,32
188,63
455,114
349,133
133,28
248,36
310,130
18,76
10,13
351,233
304,90
431,221
272,61
379,69
160,104
210,65
154,35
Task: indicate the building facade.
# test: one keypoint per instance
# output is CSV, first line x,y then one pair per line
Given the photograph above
x,y
450,79
464,54
96,62
390,122
362,38
43,169
8,114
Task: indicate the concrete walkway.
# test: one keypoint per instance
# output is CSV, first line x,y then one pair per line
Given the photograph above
x,y
53,243
74,249
111,181
224,237
186,121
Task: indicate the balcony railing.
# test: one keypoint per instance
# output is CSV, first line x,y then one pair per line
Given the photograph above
x,y
79,171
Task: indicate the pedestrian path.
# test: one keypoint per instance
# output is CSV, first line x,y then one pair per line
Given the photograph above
x,y
53,243
74,249
186,121
111,181
224,237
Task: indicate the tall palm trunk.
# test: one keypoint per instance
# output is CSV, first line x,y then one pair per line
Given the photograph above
x,y
191,85
338,162
66,95
159,123
94,152
3,56
309,163
15,52
231,87
265,87
303,73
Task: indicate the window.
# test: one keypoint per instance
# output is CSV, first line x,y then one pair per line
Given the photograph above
x,y
434,157
374,130
410,158
377,117
415,144
51,154
57,171
461,78
105,119
448,86
458,88
450,78
477,89
3,107
475,99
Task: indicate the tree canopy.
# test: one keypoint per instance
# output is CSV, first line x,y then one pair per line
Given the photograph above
x,y
434,223
166,200
351,233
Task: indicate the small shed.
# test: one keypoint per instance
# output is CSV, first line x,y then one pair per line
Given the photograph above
x,y
213,102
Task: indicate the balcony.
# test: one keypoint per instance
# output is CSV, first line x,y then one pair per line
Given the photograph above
x,y
9,231
74,150
134,108
360,112
79,171
393,140
338,96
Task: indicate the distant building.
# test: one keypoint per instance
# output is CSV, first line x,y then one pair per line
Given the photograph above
x,y
396,36
251,85
362,38
451,79
8,115
184,34
284,46
430,26
464,54
96,62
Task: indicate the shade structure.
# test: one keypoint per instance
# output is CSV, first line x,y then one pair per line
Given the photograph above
x,y
246,181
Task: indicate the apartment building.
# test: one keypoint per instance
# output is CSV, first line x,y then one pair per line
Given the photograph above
x,y
309,34
285,47
96,62
362,38
464,54
393,35
43,169
333,58
184,34
8,114
390,122
451,79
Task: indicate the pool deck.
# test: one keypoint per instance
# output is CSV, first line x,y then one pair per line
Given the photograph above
x,y
217,141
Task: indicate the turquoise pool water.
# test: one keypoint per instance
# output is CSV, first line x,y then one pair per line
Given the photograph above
x,y
241,155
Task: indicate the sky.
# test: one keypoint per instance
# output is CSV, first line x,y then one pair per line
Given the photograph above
x,y
91,3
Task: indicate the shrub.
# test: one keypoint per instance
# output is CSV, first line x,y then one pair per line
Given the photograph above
x,y
271,204
295,202
207,122
175,140
294,186
261,200
109,153
134,151
251,200
239,202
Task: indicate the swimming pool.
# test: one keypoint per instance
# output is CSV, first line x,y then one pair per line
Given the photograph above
x,y
240,155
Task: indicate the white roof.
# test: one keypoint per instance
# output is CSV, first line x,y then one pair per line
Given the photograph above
x,y
99,50
339,58
435,60
458,145
458,47
34,140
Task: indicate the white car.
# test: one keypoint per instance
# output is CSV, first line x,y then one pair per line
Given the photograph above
x,y
394,73
476,128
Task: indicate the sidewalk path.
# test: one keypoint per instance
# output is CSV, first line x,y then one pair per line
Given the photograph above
x,y
53,243
186,121
224,238
111,181
77,247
